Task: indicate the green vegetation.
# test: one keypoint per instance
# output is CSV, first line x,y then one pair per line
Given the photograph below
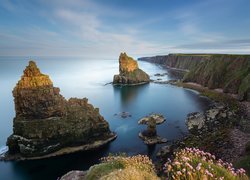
x,y
229,72
245,87
244,162
186,164
121,167
98,171
214,55
194,164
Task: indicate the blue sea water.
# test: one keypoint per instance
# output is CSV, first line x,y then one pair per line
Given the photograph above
x,y
78,77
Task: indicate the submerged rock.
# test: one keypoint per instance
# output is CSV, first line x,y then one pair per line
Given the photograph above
x,y
46,124
123,114
129,72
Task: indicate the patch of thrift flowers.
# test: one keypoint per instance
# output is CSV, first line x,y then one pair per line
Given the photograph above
x,y
194,164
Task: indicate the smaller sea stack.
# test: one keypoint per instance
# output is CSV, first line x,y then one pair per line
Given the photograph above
x,y
129,72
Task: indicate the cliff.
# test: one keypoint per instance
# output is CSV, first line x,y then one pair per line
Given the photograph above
x,y
228,72
46,124
129,72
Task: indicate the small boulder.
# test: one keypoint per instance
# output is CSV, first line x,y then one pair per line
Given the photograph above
x,y
165,151
195,120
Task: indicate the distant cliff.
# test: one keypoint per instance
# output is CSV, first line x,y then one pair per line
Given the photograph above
x,y
229,72
129,72
46,124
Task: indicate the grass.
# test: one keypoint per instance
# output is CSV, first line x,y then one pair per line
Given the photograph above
x,y
100,170
244,162
122,167
214,55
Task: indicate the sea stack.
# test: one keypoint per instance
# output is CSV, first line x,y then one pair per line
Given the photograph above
x,y
129,72
46,124
149,136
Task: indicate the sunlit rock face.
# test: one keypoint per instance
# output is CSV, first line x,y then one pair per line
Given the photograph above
x,y
35,96
129,72
46,124
127,64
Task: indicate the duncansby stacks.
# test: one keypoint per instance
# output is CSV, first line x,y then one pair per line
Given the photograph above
x,y
46,124
129,72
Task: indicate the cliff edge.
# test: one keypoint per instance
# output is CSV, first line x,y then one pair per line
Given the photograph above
x,y
228,72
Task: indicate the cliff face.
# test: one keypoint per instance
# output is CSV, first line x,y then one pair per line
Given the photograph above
x,y
229,72
46,123
129,72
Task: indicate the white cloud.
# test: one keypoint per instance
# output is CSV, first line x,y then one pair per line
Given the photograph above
x,y
83,27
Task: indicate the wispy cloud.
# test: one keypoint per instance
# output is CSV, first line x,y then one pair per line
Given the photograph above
x,y
90,28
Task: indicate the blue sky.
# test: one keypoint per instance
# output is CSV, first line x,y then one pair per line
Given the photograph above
x,y
104,28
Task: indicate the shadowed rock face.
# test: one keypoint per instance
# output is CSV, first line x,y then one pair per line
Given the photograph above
x,y
47,123
228,72
129,72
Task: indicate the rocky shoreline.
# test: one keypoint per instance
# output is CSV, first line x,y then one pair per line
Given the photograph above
x,y
217,130
223,129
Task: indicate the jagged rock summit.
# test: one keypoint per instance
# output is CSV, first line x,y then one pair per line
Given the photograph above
x,y
46,124
129,72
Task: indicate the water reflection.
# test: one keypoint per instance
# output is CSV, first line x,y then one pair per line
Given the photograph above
x,y
151,150
84,160
129,94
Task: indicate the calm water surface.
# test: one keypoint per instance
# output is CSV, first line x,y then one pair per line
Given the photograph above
x,y
80,78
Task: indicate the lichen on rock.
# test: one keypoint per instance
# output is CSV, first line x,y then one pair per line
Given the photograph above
x,y
129,72
46,124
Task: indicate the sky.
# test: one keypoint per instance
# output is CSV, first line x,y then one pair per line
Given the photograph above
x,y
104,28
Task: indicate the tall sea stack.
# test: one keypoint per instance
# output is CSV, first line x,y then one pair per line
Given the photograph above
x,y
46,124
129,72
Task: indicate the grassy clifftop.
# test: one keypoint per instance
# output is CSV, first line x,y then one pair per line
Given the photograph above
x,y
228,72
186,164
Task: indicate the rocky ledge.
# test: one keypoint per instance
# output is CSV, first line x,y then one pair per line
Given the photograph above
x,y
149,136
46,124
129,72
198,122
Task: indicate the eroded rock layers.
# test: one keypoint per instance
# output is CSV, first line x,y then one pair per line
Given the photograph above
x,y
47,123
129,72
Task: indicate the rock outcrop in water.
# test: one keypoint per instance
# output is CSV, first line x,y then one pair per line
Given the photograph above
x,y
129,72
46,124
149,136
228,72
